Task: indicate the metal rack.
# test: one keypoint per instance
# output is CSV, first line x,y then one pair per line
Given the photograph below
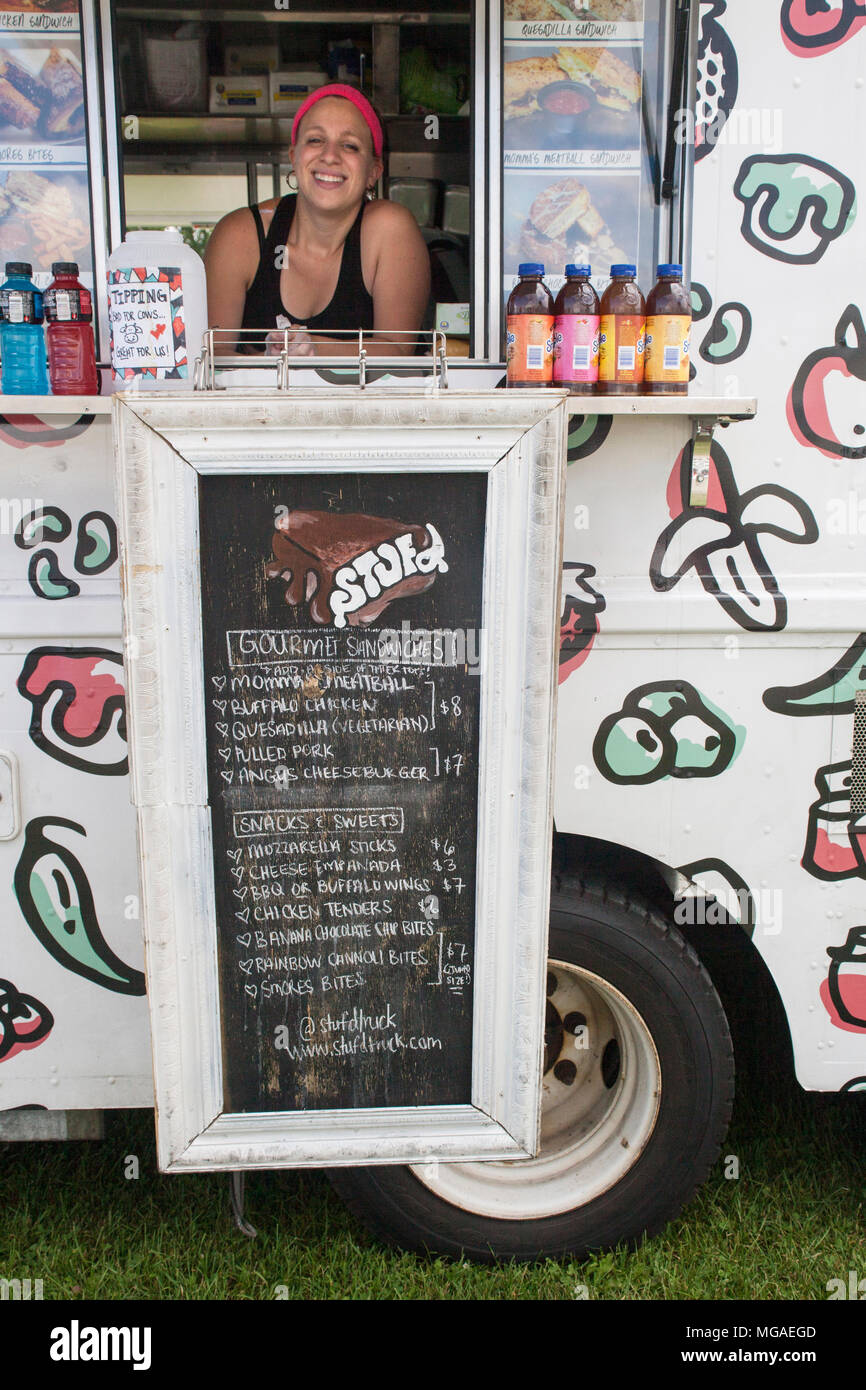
x,y
220,349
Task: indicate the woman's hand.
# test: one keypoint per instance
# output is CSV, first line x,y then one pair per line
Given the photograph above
x,y
300,344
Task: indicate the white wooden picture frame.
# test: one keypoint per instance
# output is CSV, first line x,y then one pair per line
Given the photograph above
x,y
163,447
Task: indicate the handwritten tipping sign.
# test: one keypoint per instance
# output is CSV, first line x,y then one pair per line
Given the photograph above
x,y
146,323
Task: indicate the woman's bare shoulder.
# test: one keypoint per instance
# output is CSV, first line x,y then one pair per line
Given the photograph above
x,y
234,234
234,241
389,220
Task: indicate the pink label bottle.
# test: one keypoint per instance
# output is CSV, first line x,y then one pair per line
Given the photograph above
x,y
576,332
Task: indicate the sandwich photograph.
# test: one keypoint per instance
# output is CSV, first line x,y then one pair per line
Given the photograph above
x,y
574,96
41,92
558,220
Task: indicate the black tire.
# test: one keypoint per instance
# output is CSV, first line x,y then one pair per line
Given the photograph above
x,y
625,958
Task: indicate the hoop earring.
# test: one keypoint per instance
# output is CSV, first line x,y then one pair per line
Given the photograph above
x,y
292,181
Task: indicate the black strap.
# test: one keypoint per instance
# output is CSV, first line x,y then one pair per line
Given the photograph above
x,y
260,227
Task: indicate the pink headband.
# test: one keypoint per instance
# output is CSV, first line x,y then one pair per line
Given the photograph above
x,y
358,100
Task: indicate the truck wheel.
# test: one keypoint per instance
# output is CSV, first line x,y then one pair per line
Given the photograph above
x,y
637,1094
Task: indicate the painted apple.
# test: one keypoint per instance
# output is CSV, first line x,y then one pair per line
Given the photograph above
x,y
826,406
810,29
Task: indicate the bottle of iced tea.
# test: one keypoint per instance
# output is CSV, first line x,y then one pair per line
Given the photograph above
x,y
575,343
621,342
529,329
668,328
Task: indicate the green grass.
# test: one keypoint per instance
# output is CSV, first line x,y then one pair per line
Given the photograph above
x,y
788,1224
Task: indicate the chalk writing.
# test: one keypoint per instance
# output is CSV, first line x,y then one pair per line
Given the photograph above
x,y
343,773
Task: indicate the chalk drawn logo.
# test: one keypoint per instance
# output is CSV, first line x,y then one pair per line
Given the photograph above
x,y
348,568
581,605
722,542
717,78
79,711
24,1022
826,406
665,729
843,993
54,895
831,814
813,27
794,206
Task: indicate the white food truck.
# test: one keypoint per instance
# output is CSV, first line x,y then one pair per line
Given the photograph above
x,y
710,754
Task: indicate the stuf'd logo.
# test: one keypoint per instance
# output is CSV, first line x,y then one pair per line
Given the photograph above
x,y
349,567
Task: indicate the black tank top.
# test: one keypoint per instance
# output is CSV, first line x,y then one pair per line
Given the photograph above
x,y
352,304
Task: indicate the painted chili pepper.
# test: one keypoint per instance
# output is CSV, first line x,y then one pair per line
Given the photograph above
x,y
55,897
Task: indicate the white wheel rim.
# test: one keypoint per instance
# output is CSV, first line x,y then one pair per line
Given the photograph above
x,y
596,1119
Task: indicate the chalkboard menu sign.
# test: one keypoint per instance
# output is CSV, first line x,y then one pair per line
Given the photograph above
x,y
342,674
341,620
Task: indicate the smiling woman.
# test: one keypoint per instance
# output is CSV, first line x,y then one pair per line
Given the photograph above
x,y
323,258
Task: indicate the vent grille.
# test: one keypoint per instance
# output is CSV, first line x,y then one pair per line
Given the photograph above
x,y
858,757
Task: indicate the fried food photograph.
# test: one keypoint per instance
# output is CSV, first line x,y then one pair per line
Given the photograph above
x,y
46,217
44,103
626,11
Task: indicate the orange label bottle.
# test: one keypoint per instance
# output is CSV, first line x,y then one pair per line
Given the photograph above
x,y
529,329
669,325
622,335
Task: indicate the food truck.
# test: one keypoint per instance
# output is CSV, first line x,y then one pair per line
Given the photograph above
x,y
702,796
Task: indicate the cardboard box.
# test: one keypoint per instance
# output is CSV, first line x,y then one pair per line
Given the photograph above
x,y
252,58
242,96
290,87
453,319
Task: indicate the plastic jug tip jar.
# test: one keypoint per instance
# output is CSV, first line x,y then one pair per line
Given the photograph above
x,y
157,311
